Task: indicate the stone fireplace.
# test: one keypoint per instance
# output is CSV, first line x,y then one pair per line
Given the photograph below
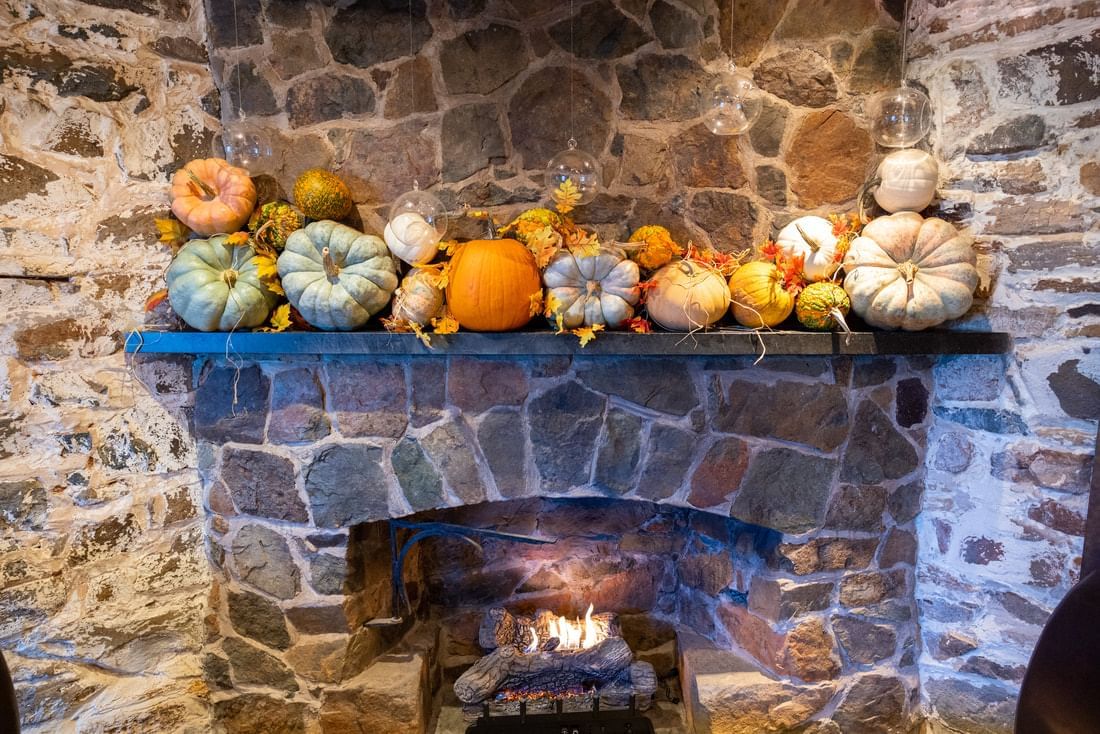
x,y
751,555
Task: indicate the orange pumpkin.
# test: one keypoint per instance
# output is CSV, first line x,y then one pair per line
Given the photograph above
x,y
491,284
212,197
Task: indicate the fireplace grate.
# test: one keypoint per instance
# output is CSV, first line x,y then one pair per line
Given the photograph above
x,y
596,721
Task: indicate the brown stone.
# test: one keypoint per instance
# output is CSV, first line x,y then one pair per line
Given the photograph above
x,y
320,661
476,385
809,652
953,644
642,160
826,554
780,599
824,18
255,713
538,107
900,547
1031,215
865,641
410,90
1090,177
753,634
703,159
262,484
368,398
379,165
801,77
874,704
253,666
719,474
293,53
318,620
258,618
983,666
753,24
599,31
1057,516
297,407
729,219
860,589
829,158
709,573
481,60
857,508
659,87
963,706
451,448
807,480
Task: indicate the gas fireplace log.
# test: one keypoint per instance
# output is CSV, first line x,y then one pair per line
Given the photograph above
x,y
499,627
509,667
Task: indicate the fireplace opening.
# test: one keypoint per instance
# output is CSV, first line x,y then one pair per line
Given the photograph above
x,y
601,618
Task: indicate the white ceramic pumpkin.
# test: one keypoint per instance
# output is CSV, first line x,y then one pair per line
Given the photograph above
x,y
813,239
418,299
411,238
687,295
907,181
907,272
591,289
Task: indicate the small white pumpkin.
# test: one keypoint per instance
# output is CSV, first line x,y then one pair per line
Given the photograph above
x,y
600,288
907,181
687,295
411,238
813,239
418,299
911,273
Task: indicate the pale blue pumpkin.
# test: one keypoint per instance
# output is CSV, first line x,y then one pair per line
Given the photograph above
x,y
216,287
337,277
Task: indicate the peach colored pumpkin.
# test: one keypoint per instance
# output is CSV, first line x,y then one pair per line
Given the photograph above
x,y
212,197
491,285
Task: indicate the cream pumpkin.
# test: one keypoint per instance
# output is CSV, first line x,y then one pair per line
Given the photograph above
x,y
418,300
907,272
687,295
411,238
811,238
906,181
600,288
212,197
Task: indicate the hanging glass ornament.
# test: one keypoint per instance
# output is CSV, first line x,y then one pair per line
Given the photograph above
x,y
900,117
733,104
247,145
418,221
577,166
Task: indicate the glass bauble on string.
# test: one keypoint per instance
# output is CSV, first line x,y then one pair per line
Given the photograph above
x,y
733,103
247,145
418,221
900,117
578,167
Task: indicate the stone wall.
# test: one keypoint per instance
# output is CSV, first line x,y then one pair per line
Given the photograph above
x,y
482,106
103,575
1011,443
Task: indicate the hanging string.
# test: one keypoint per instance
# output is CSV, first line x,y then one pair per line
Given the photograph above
x,y
572,60
731,33
904,42
412,53
237,45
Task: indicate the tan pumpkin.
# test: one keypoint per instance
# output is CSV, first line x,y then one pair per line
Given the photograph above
x,y
758,297
492,285
907,272
589,289
906,181
213,197
686,296
418,300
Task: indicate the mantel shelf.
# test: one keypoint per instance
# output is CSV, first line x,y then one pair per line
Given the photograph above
x,y
532,343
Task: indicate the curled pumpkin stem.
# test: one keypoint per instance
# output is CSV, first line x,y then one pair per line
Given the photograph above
x,y
198,183
813,243
331,269
229,277
908,271
838,316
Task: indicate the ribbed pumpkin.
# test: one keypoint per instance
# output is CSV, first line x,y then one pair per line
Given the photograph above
x,y
812,238
600,288
215,287
336,276
491,285
212,197
320,194
758,297
686,296
907,181
822,306
418,300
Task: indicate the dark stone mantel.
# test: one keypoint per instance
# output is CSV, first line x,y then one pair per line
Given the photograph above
x,y
527,343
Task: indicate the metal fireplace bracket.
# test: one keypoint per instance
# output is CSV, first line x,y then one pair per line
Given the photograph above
x,y
422,530
595,721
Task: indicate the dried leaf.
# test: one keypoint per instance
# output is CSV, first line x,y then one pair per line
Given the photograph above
x,y
566,196
156,299
552,305
543,243
237,239
267,270
536,303
640,325
172,232
587,333
423,336
445,324
280,319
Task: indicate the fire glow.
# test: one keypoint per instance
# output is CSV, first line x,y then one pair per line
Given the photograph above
x,y
571,634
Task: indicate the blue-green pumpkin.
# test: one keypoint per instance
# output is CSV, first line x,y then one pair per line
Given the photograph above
x,y
216,287
337,277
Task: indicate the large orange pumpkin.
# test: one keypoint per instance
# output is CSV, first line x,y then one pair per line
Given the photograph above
x,y
491,284
212,197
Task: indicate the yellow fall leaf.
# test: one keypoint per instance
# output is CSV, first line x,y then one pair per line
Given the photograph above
x,y
566,196
587,333
424,337
280,319
445,324
237,239
171,232
543,243
552,305
267,270
536,303
559,322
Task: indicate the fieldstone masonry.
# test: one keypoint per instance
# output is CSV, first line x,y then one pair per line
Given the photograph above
x,y
144,579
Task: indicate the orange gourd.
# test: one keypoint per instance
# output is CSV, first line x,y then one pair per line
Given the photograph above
x,y
212,197
491,284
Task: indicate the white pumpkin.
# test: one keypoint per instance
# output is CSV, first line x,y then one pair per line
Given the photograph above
x,y
418,299
592,289
911,273
687,295
907,181
411,238
813,239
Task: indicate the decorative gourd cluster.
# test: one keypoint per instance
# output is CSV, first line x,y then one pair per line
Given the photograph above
x,y
244,264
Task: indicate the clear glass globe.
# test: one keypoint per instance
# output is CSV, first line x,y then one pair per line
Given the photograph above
x,y
900,117
247,146
733,104
424,205
417,223
577,166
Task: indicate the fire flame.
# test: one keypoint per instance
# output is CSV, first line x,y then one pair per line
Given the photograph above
x,y
571,634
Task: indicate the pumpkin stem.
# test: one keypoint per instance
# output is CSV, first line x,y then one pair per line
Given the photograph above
x,y
814,244
332,270
201,185
838,317
229,277
908,271
593,287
